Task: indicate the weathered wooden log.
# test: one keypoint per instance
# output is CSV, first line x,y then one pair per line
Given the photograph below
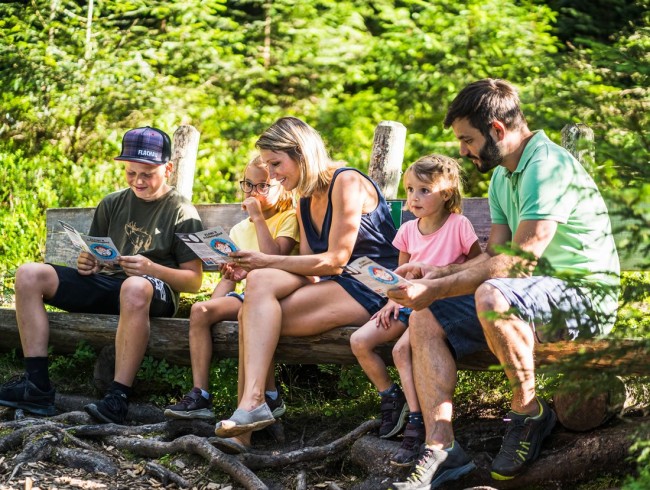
x,y
578,139
566,457
184,151
588,403
169,340
387,156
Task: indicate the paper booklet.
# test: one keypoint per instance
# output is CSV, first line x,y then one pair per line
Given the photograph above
x,y
376,277
102,248
212,246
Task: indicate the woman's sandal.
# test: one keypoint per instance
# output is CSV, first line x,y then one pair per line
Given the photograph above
x,y
229,445
242,421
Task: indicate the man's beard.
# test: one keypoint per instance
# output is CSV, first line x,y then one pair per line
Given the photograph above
x,y
489,156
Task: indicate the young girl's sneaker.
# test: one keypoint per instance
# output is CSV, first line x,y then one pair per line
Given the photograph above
x,y
192,406
406,455
394,412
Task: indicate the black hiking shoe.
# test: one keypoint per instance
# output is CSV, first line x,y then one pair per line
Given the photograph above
x,y
437,466
191,406
277,406
414,436
394,412
20,392
112,409
522,441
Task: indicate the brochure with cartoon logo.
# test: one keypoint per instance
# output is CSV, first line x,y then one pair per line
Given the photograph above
x,y
212,246
102,248
375,276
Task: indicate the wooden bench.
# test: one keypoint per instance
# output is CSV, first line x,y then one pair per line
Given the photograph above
x,y
169,336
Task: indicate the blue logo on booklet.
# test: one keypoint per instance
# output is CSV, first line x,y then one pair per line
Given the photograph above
x,y
103,251
221,246
382,275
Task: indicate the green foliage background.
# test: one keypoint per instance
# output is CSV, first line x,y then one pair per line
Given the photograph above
x,y
74,80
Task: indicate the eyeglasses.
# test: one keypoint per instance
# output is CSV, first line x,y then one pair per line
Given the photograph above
x,y
262,188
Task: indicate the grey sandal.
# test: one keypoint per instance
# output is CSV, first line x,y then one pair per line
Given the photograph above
x,y
228,446
242,421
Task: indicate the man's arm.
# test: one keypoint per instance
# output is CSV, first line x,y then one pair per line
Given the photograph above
x,y
532,237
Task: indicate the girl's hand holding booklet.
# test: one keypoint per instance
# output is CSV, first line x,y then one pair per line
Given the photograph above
x,y
212,246
375,276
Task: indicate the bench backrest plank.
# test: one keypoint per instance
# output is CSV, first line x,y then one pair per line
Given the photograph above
x,y
59,249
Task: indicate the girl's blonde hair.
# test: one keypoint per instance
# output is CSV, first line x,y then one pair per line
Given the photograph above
x,y
286,199
435,168
305,146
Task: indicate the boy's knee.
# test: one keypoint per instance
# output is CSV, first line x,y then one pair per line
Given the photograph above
x,y
33,276
136,292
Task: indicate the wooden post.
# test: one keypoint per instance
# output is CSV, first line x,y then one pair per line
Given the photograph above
x,y
578,139
184,150
387,157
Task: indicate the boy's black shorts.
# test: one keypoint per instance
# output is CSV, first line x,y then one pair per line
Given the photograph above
x,y
99,293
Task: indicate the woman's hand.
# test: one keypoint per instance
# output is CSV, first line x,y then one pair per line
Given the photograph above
x,y
249,260
136,265
87,264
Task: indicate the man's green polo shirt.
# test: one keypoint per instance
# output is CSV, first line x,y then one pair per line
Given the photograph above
x,y
550,184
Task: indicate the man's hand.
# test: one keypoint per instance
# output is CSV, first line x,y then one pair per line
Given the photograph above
x,y
87,264
418,296
136,265
418,270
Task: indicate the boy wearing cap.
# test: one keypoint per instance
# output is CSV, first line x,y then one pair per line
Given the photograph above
x,y
155,266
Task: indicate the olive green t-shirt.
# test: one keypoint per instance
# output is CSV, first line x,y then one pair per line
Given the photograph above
x,y
550,184
148,228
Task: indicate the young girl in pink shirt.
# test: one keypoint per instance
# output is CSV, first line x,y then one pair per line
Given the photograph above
x,y
439,236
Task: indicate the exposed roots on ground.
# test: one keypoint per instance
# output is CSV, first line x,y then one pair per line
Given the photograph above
x,y
74,440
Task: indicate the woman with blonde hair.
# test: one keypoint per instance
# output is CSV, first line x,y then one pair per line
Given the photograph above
x,y
342,215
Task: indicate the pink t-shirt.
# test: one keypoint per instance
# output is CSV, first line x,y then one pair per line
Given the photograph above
x,y
449,245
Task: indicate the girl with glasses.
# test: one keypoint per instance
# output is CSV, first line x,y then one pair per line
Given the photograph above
x,y
272,228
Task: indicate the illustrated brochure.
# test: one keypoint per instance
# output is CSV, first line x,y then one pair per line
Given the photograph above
x,y
102,248
374,276
212,246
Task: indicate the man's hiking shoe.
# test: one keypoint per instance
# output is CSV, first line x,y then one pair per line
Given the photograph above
x,y
20,392
394,412
111,409
414,436
277,406
522,441
437,466
191,406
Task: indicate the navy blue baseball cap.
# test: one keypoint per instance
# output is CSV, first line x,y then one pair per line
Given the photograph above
x,y
146,145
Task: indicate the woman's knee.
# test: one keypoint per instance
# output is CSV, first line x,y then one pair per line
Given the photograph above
x,y
261,282
135,294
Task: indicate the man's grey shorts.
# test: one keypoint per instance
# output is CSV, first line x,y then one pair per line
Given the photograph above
x,y
553,309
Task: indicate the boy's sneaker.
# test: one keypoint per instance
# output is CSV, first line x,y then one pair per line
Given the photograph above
x,y
414,436
277,406
20,392
437,466
394,412
191,406
111,409
522,441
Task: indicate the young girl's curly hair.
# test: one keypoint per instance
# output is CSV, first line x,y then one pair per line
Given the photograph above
x,y
434,169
